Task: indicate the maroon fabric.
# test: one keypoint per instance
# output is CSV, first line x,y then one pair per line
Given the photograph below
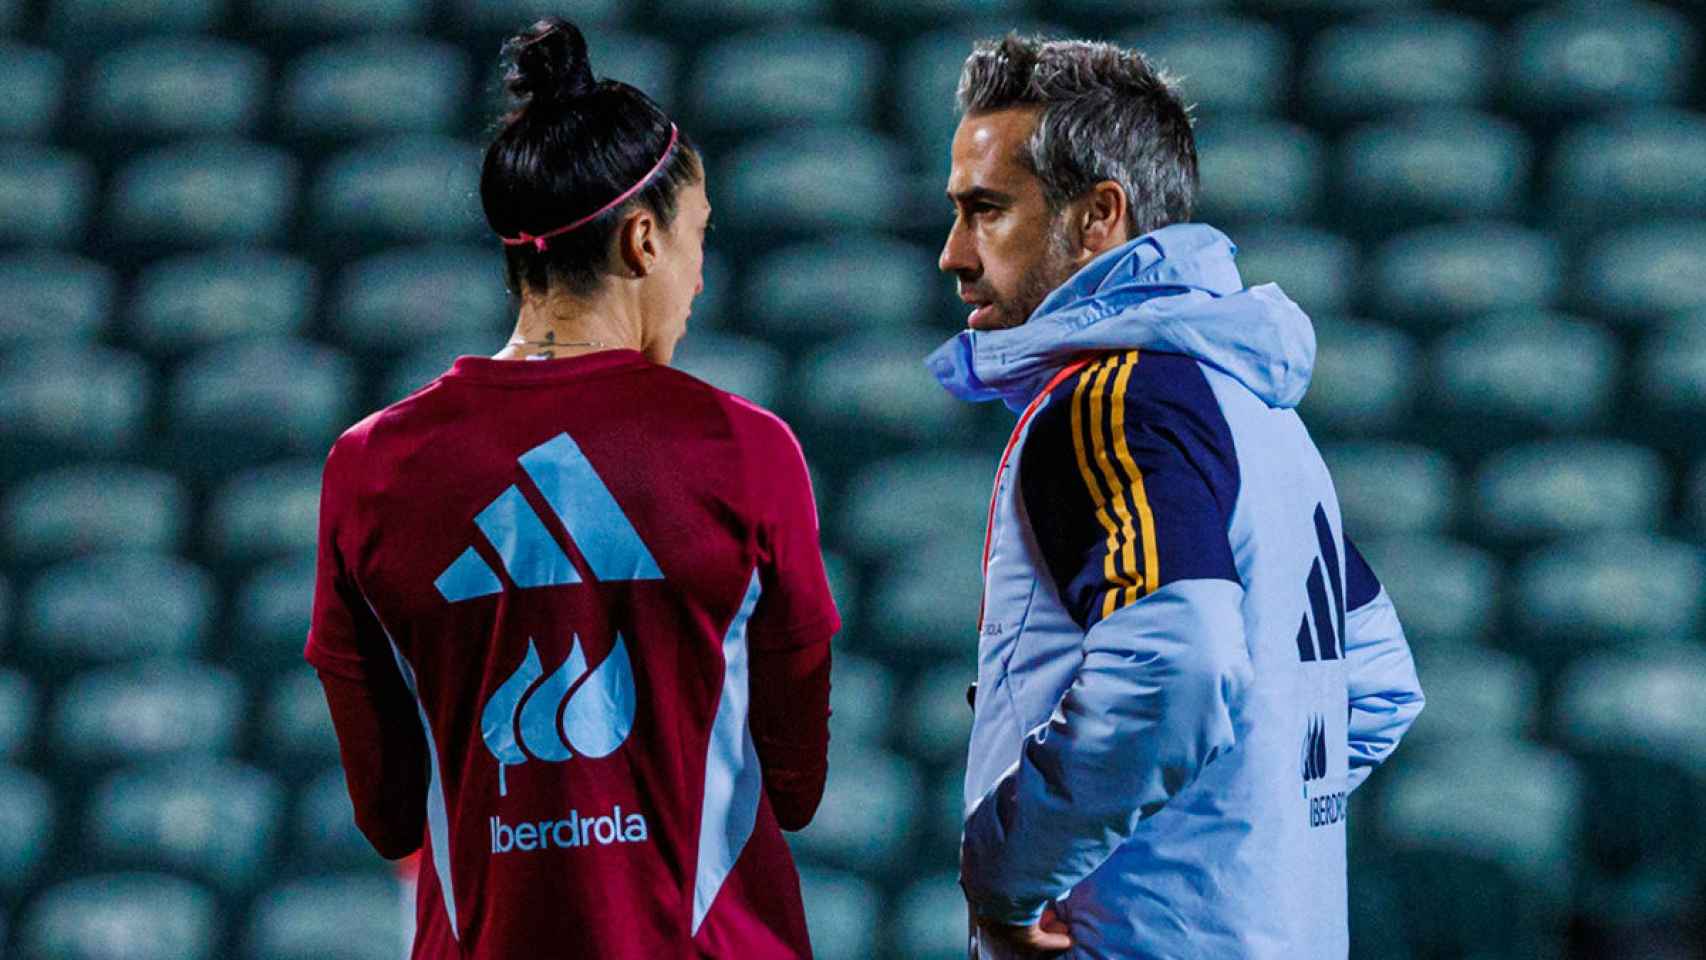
x,y
716,489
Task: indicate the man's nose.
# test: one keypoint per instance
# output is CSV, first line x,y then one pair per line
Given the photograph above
x,y
958,254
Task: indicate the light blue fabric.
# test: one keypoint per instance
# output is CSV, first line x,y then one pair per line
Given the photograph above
x,y
1175,290
1158,777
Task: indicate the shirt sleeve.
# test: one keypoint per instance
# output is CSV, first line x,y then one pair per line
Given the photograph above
x,y
1125,490
789,637
379,739
343,638
1380,674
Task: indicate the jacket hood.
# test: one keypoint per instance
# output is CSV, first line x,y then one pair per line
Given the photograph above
x,y
1174,290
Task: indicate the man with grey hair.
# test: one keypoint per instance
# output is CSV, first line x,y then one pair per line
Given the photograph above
x,y
1184,667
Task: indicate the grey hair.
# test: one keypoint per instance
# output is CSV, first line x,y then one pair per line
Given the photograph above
x,y
1107,114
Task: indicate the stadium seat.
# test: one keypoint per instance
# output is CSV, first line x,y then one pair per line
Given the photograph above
x,y
133,916
199,299
271,611
1616,589
1394,63
256,401
19,704
1474,694
405,189
932,921
650,64
27,814
59,403
868,394
267,512
1390,488
423,364
175,87
866,786
1584,57
1227,66
204,192
1443,165
905,17
1634,718
340,16
374,86
927,496
34,81
325,836
214,820
1251,171
117,606
810,179
1498,379
1482,823
1431,276
862,701
76,22
1630,166
1634,274
843,913
844,583
46,196
744,366
352,916
505,17
925,602
165,708
47,296
1364,380
1670,377
781,76
79,510
296,725
396,300
1447,593
927,76
936,720
1315,268
1568,488
868,284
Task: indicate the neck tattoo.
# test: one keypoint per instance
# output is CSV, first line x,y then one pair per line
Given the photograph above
x,y
547,347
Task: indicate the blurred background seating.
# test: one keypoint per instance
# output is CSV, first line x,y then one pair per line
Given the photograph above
x,y
229,229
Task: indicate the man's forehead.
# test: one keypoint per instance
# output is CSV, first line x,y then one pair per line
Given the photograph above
x,y
987,148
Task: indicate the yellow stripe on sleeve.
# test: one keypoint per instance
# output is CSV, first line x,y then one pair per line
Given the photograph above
x,y
1140,500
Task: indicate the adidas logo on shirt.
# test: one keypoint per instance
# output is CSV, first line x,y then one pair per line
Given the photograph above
x,y
524,544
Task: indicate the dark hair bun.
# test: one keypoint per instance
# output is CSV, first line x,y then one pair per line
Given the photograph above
x,y
549,64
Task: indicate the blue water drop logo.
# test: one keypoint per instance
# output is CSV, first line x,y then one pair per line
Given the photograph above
x,y
497,720
539,711
596,709
600,713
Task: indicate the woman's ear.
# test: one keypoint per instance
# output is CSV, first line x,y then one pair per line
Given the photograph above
x,y
637,243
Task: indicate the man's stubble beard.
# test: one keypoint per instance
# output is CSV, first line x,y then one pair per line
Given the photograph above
x,y
1054,268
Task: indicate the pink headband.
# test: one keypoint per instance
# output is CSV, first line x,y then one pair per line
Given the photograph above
x,y
621,198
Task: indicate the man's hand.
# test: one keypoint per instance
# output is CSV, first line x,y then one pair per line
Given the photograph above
x,y
1047,935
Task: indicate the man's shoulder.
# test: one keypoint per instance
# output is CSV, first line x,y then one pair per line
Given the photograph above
x,y
1130,388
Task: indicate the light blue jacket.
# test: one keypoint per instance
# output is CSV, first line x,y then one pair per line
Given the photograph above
x,y
1183,666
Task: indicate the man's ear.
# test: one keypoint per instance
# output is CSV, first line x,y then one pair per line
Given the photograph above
x,y
1102,216
636,243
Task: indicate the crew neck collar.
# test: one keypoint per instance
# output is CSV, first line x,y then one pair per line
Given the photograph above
x,y
493,370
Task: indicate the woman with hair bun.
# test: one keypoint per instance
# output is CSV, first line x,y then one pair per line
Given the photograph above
x,y
570,610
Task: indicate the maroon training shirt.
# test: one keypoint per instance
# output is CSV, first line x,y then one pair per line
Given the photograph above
x,y
573,624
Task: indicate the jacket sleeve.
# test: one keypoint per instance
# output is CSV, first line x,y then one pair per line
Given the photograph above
x,y
1380,675
1150,708
1129,480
